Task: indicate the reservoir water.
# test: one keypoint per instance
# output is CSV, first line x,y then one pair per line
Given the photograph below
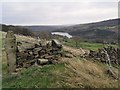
x,y
62,34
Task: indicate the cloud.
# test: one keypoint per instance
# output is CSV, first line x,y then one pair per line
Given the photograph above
x,y
57,12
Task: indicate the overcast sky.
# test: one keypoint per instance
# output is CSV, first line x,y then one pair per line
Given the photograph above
x,y
57,13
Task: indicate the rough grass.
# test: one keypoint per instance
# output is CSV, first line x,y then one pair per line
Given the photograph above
x,y
74,51
19,38
88,74
70,73
35,77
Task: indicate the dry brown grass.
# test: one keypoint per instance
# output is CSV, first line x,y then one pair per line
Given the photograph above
x,y
21,37
25,38
84,73
74,51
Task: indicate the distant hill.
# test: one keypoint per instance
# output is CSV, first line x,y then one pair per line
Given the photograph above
x,y
48,28
16,29
104,30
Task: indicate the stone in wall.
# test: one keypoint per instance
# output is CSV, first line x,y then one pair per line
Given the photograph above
x,y
10,48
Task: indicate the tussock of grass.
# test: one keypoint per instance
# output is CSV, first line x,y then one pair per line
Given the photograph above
x,y
88,74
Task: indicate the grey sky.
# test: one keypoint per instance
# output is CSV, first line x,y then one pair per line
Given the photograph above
x,y
40,13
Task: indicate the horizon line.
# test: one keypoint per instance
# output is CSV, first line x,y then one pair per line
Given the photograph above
x,y
59,24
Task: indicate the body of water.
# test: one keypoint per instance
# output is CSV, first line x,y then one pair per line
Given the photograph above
x,y
62,34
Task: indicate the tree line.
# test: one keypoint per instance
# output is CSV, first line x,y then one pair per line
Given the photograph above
x,y
17,30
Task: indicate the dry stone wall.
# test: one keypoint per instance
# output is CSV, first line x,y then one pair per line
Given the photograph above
x,y
38,53
10,48
25,53
111,51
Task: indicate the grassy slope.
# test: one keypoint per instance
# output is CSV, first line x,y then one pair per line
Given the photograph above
x,y
86,45
105,30
88,74
37,77
74,72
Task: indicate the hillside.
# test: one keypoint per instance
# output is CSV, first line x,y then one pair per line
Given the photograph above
x,y
75,72
104,30
45,28
16,29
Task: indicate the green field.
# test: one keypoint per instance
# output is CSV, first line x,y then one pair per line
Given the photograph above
x,y
86,45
